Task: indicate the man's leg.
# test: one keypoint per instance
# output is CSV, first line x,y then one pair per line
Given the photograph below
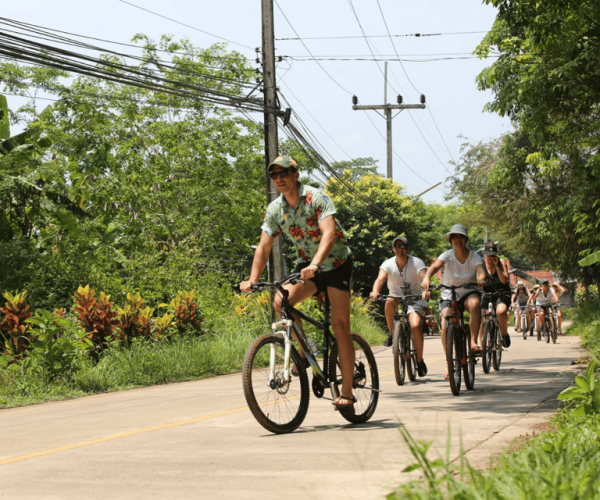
x,y
391,306
415,320
473,305
415,325
340,322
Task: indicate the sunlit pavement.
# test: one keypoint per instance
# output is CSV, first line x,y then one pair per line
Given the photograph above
x,y
198,440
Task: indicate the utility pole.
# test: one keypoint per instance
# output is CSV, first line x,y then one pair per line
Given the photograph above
x,y
271,138
387,109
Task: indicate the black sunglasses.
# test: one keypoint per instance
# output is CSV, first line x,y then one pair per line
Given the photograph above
x,y
281,174
400,246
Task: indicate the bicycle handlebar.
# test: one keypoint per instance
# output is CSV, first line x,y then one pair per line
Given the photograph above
x,y
292,278
470,284
383,298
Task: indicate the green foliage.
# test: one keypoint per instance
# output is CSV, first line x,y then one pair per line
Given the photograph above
x,y
371,238
15,333
58,345
553,465
586,392
547,172
357,167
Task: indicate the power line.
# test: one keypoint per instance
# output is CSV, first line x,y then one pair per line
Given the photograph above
x,y
394,47
307,49
187,25
383,36
398,156
441,136
383,58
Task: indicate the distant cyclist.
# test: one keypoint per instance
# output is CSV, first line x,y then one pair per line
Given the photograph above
x,y
404,269
519,302
544,299
496,280
558,290
461,265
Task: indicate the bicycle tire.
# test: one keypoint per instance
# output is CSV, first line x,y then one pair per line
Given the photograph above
x,y
273,402
469,367
523,321
453,358
366,378
498,343
399,359
486,355
547,328
554,329
411,357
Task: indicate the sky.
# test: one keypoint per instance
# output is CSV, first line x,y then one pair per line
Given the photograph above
x,y
440,66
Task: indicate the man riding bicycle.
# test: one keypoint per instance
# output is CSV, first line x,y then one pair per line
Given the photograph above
x,y
497,281
404,269
306,215
519,302
461,265
544,298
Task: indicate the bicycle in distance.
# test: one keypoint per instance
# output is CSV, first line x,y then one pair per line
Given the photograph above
x,y
274,375
548,327
404,351
459,356
521,320
492,343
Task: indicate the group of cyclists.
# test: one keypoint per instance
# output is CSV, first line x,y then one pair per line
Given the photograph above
x,y
542,301
307,216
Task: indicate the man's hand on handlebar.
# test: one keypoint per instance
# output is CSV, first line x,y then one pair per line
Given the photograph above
x,y
246,286
425,283
374,295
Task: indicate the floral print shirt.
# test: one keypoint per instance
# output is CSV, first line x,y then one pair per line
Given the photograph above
x,y
301,225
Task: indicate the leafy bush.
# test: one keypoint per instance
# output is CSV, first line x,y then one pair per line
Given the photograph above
x,y
96,316
184,308
13,324
58,345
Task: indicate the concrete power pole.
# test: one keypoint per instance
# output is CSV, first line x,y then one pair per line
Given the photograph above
x,y
271,138
387,109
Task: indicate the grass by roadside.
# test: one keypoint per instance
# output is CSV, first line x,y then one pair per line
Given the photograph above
x,y
189,357
559,463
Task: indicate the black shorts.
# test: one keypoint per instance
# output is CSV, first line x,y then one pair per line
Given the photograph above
x,y
340,278
460,302
501,299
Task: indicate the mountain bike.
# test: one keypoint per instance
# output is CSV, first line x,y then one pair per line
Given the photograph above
x,y
458,345
521,320
403,346
274,375
492,336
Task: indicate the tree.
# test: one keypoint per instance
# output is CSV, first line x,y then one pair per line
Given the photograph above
x,y
357,167
371,238
168,188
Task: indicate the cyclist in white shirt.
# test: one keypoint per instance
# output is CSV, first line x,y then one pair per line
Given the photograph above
x,y
544,298
461,265
404,269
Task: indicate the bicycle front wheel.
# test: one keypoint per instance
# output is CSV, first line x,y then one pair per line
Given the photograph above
x,y
411,357
453,357
488,344
554,329
548,328
398,346
278,403
468,363
365,384
498,343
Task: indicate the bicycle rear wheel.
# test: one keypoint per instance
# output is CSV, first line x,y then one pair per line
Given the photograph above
x,y
469,366
498,343
399,357
365,385
279,405
488,343
453,358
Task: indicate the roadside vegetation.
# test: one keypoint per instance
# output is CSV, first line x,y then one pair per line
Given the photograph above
x,y
558,463
58,355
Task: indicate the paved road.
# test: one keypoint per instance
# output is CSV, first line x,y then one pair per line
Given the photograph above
x,y
198,440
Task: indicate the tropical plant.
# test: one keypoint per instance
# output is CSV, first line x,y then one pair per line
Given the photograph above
x,y
586,392
15,331
96,317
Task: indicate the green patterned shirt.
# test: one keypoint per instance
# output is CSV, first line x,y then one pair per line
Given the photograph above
x,y
301,225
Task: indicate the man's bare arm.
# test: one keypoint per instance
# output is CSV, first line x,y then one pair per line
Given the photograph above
x,y
261,256
378,284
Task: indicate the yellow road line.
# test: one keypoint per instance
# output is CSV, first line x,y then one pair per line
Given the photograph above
x,y
20,458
